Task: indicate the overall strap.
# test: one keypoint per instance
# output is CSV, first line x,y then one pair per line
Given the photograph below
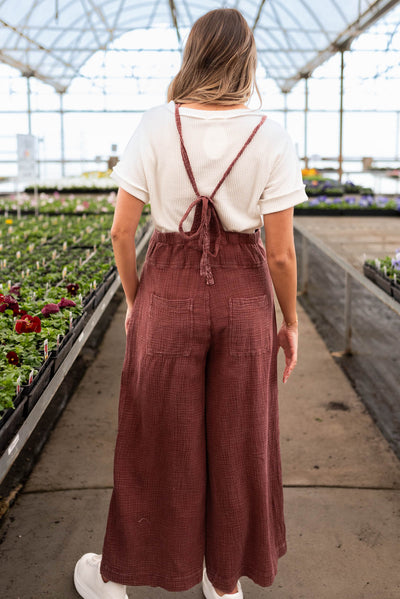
x,y
185,156
186,160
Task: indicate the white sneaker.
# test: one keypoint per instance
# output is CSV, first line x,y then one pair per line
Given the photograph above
x,y
211,593
89,582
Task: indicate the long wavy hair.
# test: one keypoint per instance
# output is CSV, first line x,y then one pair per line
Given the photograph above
x,y
219,61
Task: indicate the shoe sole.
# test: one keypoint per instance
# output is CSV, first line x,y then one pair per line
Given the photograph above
x,y
211,593
82,589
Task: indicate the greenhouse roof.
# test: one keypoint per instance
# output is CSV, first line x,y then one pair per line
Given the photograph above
x,y
52,39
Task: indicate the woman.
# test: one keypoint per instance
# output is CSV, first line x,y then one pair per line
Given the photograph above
x,y
197,471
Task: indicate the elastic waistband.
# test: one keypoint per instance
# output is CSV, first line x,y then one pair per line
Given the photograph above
x,y
174,237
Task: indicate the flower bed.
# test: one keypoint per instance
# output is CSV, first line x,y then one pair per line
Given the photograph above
x,y
90,182
327,196
385,273
60,203
366,205
317,186
53,272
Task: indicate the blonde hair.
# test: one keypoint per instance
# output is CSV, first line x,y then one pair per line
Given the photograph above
x,y
219,61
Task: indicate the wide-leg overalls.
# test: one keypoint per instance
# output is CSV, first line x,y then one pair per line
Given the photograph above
x,y
197,465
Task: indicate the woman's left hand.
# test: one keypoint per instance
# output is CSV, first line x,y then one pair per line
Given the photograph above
x,y
129,315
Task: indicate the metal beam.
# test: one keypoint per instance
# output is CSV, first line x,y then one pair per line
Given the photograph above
x,y
89,20
62,143
344,39
28,102
259,11
173,11
340,170
306,122
24,68
124,29
126,50
285,109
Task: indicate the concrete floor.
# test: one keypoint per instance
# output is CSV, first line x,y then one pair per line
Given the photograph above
x,y
341,488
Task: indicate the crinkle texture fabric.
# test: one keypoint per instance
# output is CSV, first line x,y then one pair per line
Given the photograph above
x,y
266,179
197,467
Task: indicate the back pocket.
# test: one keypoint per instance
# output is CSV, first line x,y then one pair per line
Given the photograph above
x,y
169,326
249,325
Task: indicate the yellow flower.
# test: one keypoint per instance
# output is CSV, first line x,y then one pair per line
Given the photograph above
x,y
309,171
9,221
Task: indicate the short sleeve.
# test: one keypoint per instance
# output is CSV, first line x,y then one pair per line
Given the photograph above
x,y
285,187
129,172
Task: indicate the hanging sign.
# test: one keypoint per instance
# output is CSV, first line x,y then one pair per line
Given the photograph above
x,y
26,150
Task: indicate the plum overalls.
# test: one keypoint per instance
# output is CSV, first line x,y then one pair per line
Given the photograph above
x,y
197,466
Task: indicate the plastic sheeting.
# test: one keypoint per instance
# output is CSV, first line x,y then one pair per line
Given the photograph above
x,y
52,39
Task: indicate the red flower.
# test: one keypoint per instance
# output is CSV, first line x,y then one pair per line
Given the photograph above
x,y
28,324
9,303
13,358
72,288
50,309
64,303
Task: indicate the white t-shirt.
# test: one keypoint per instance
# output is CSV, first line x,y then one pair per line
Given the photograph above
x,y
266,178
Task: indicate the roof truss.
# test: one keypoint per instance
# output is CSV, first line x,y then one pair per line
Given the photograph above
x,y
52,39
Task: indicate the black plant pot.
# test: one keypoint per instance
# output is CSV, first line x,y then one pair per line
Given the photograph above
x,y
12,419
40,381
345,212
101,291
89,303
110,272
109,281
78,324
384,282
63,350
370,271
396,291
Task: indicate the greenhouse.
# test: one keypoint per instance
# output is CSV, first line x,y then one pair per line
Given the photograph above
x,y
79,80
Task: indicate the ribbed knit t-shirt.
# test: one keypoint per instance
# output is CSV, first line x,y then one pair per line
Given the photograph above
x,y
266,178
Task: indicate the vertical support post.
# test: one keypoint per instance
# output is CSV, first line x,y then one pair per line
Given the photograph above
x,y
304,264
306,121
340,169
62,135
347,314
396,152
285,108
28,97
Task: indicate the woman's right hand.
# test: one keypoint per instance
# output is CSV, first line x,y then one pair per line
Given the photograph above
x,y
288,340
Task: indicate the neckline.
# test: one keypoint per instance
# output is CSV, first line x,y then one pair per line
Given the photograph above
x,y
211,114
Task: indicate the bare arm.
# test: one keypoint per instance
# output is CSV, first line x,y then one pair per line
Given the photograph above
x,y
281,257
126,219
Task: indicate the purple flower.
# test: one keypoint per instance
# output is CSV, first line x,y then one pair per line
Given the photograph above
x,y
16,289
64,303
72,288
50,309
396,262
8,302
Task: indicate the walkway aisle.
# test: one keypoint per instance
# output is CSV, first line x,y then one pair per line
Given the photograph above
x,y
342,488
